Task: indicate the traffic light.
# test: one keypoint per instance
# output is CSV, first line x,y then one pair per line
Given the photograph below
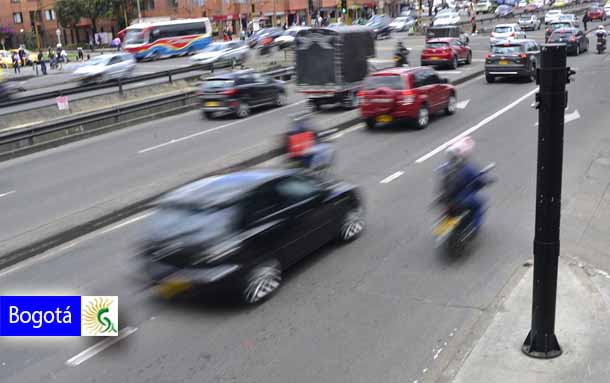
x,y
343,6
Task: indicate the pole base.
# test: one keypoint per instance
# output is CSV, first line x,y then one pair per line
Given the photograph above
x,y
547,348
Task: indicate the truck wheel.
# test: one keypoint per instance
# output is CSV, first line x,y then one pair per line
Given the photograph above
x,y
489,78
315,105
350,101
208,115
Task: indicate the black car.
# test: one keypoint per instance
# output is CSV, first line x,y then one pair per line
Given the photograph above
x,y
240,92
380,25
238,232
556,25
575,40
516,58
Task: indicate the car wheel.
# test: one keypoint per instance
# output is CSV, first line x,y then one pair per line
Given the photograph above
x,y
451,105
533,73
315,106
281,99
208,115
423,117
243,110
261,282
469,58
370,123
454,62
352,225
577,52
490,78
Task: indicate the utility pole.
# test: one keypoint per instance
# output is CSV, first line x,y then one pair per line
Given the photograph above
x,y
139,11
551,101
274,13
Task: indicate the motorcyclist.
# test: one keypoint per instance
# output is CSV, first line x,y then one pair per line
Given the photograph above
x,y
304,148
401,54
601,32
462,180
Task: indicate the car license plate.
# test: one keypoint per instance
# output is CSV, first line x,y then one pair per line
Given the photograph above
x,y
434,58
384,118
212,103
503,62
173,286
445,225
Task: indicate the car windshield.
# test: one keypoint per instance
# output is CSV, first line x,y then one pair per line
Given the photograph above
x,y
437,45
99,60
526,18
560,25
375,82
218,83
135,36
507,50
214,47
503,29
400,20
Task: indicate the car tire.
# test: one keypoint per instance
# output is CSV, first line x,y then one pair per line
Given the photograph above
x,y
451,105
490,78
208,115
533,73
469,58
243,110
261,282
454,63
315,106
423,117
370,123
281,99
352,225
577,52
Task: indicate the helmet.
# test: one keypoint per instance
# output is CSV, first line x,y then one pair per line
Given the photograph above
x,y
600,27
58,45
461,149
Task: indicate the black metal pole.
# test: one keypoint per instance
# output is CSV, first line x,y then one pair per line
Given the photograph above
x,y
551,101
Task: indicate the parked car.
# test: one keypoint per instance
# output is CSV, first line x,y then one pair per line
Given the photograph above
x,y
532,7
237,233
411,94
265,37
575,39
506,32
402,24
597,13
504,11
484,6
380,25
556,25
517,58
106,67
446,51
559,4
287,39
223,54
529,22
6,59
238,93
522,4
552,16
449,18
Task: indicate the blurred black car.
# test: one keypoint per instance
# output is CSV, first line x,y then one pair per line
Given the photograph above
x,y
517,58
380,25
237,233
239,92
265,37
575,40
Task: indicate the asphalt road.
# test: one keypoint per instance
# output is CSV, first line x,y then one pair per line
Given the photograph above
x,y
387,307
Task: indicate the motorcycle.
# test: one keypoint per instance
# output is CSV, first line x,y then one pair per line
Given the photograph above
x,y
455,227
601,44
401,59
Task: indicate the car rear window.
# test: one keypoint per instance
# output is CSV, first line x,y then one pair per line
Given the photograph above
x,y
437,45
507,50
558,36
218,83
375,82
503,29
560,25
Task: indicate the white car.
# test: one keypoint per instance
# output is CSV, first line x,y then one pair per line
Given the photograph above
x,y
522,4
571,18
607,8
506,32
402,24
449,18
106,67
287,39
552,16
223,53
483,6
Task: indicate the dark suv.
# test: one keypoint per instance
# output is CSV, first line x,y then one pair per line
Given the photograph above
x,y
517,58
239,92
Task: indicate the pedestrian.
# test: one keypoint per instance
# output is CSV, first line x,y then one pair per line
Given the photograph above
x,y
117,43
99,40
43,65
473,21
16,66
435,10
585,20
22,55
80,54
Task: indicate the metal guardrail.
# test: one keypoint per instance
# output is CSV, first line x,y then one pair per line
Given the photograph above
x,y
18,140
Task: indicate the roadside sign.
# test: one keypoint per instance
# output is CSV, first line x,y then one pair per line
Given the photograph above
x,y
62,103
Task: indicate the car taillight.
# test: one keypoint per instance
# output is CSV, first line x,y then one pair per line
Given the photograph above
x,y
229,92
522,55
573,39
488,56
361,98
408,97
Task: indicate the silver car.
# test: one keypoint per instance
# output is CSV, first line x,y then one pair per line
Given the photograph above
x,y
529,22
106,67
223,53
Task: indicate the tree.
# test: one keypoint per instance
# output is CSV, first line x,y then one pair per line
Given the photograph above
x,y
70,11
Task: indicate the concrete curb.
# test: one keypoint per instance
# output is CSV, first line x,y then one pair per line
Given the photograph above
x,y
79,230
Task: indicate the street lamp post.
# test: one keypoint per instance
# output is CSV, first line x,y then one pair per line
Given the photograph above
x,y
58,34
139,10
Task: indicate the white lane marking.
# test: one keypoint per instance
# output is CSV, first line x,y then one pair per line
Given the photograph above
x,y
99,347
128,222
184,138
437,353
450,72
7,193
462,104
478,126
391,177
571,117
347,131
